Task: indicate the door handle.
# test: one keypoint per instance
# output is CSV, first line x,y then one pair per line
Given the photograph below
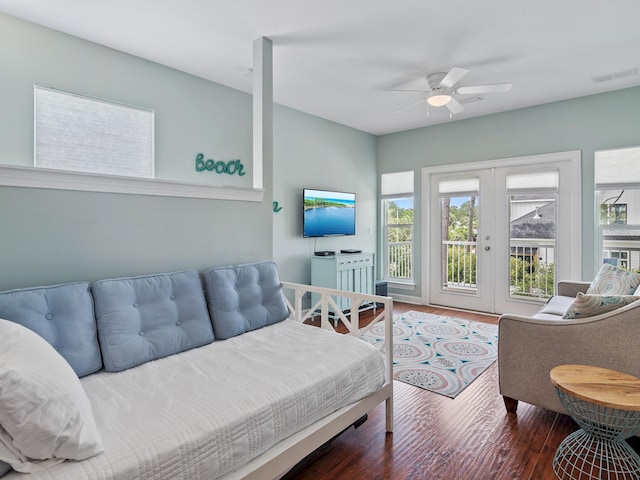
x,y
487,248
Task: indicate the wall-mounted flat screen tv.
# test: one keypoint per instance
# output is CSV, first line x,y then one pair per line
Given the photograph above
x,y
328,213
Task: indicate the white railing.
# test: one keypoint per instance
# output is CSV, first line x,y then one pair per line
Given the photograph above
x,y
460,264
399,260
531,267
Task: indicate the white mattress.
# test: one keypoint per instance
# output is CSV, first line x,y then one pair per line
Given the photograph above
x,y
208,411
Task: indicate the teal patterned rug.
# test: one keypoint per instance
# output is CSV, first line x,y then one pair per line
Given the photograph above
x,y
440,354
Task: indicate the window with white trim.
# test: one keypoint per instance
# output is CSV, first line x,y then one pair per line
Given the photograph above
x,y
617,176
397,231
84,134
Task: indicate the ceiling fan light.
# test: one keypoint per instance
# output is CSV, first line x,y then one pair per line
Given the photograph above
x,y
439,100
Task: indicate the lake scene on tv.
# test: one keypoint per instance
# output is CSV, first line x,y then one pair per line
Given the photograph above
x,y
329,213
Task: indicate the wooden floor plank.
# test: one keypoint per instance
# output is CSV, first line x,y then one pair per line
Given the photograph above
x,y
471,437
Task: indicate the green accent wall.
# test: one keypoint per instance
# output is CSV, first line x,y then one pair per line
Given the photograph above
x,y
608,120
315,153
54,236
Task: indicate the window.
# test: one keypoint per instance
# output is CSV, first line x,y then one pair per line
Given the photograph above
x,y
83,134
617,175
398,219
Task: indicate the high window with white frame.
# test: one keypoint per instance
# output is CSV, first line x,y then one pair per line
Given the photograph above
x,y
398,221
617,176
91,135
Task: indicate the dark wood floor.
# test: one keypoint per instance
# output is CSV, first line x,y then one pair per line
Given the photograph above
x,y
471,437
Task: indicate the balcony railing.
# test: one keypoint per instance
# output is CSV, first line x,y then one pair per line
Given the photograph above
x,y
460,264
399,260
531,267
532,272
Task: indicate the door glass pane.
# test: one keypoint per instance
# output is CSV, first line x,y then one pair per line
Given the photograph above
x,y
459,241
532,241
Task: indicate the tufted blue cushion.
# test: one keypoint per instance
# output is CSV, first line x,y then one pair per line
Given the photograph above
x,y
63,316
149,317
244,297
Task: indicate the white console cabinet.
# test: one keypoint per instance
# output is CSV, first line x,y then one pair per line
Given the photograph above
x,y
353,272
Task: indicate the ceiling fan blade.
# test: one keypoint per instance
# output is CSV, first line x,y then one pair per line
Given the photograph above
x,y
410,91
454,106
408,105
495,88
453,77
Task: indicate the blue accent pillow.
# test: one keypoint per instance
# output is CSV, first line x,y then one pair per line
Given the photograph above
x,y
244,297
63,316
150,317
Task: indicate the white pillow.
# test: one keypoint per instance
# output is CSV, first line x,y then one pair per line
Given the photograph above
x,y
612,280
45,415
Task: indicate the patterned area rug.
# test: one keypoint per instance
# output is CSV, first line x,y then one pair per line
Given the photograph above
x,y
441,354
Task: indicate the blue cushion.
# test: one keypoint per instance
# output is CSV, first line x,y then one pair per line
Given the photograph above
x,y
149,317
244,297
63,316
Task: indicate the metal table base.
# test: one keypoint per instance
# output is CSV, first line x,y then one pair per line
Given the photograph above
x,y
598,450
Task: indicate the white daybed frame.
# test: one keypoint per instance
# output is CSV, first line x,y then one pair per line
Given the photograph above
x,y
286,454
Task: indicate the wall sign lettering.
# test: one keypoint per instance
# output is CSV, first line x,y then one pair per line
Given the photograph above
x,y
231,167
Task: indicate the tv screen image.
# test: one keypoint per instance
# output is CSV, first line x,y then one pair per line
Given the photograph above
x,y
328,213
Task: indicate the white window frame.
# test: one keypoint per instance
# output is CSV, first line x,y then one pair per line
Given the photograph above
x,y
615,169
396,186
81,133
37,177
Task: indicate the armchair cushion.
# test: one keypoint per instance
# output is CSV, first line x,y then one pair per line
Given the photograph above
x,y
557,305
612,280
591,305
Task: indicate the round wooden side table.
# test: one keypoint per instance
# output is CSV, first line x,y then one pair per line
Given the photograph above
x,y
606,405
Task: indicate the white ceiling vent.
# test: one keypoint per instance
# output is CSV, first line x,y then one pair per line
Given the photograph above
x,y
615,76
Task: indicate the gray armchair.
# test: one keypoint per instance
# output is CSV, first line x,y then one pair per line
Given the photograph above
x,y
529,347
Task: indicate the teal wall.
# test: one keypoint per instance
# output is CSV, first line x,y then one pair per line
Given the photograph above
x,y
53,236
316,153
609,120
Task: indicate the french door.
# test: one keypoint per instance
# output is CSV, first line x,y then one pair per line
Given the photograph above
x,y
499,237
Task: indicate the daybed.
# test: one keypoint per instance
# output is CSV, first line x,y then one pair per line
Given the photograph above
x,y
529,347
177,383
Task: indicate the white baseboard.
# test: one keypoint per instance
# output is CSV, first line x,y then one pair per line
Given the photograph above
x,y
406,299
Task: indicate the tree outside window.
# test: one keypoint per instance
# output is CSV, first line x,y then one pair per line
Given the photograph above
x,y
398,221
399,238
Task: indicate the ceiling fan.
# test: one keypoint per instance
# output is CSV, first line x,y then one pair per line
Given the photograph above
x,y
442,86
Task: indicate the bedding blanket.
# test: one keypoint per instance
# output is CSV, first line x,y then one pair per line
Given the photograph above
x,y
205,412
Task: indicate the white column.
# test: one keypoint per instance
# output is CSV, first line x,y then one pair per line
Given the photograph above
x,y
262,108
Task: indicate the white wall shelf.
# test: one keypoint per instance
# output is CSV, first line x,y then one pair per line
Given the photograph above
x,y
31,177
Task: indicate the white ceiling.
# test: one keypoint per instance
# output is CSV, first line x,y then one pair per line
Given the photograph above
x,y
337,58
